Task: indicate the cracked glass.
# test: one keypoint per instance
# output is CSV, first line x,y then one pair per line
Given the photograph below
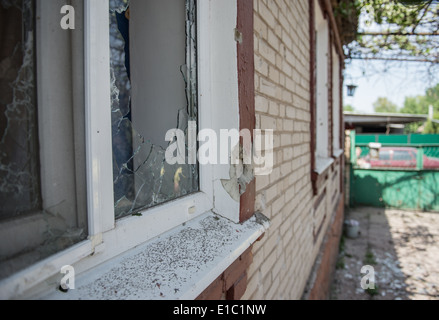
x,y
153,90
19,178
42,136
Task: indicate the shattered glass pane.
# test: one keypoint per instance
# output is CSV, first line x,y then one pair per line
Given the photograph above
x,y
19,178
142,176
40,210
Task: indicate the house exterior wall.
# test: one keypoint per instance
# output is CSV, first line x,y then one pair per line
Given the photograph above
x,y
302,213
276,80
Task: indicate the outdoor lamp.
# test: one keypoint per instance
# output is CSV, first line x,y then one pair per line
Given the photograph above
x,y
351,90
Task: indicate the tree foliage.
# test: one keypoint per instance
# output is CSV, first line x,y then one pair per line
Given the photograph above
x,y
383,105
349,108
421,104
415,105
431,128
391,30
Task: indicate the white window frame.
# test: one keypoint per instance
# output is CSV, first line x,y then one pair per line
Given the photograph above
x,y
336,105
219,109
58,84
323,159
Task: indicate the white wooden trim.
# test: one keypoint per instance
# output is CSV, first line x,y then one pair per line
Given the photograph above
x,y
337,153
322,112
336,99
322,164
98,117
15,286
219,109
224,92
204,87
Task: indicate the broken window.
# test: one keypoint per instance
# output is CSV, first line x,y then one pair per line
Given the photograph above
x,y
42,134
153,90
19,177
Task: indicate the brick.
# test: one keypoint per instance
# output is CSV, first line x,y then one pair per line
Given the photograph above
x,y
290,112
273,289
288,125
287,154
273,40
261,104
275,175
273,7
273,108
214,291
268,123
260,27
258,258
284,258
238,289
271,193
252,287
268,88
287,96
276,222
262,182
285,169
267,52
237,269
282,111
278,205
266,14
273,74
261,66
286,139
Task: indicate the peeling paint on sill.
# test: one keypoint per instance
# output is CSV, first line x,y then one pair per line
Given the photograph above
x,y
180,264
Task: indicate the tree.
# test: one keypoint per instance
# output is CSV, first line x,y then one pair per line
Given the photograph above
x,y
431,127
395,31
415,105
432,98
348,108
383,105
421,104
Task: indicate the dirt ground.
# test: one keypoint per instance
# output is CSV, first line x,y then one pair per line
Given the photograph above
x,y
402,247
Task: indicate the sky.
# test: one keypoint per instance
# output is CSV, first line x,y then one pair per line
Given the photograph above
x,y
377,79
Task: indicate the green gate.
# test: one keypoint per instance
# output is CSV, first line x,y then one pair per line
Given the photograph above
x,y
395,171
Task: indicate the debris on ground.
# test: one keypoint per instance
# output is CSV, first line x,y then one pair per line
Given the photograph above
x,y
403,249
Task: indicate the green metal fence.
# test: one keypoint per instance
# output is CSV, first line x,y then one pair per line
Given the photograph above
x,y
398,171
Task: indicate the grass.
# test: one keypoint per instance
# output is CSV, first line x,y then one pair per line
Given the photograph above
x,y
340,260
373,292
340,263
369,258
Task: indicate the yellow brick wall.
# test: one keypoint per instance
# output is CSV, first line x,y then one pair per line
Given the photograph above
x,y
283,259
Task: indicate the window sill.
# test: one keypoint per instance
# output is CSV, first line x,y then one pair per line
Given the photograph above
x,y
320,173
179,264
323,164
337,153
